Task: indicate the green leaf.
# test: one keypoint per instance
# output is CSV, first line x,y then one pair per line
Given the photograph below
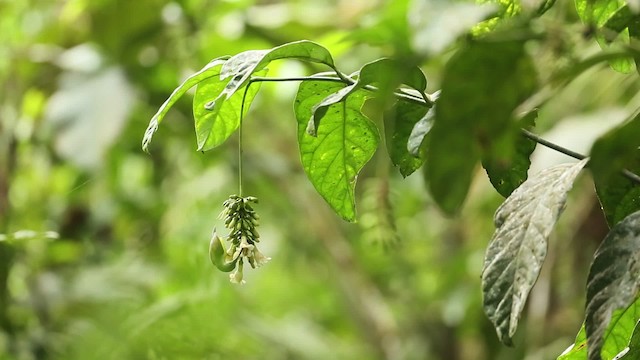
x,y
215,126
608,15
483,83
597,12
418,136
612,152
620,20
616,336
613,281
241,66
519,245
634,34
399,123
386,73
211,70
578,350
632,351
345,142
509,161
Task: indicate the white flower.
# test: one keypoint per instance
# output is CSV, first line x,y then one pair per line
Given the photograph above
x,y
259,258
236,276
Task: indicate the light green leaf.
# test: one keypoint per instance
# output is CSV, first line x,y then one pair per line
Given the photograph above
x,y
386,73
631,352
483,83
599,13
345,142
578,350
519,245
612,152
241,66
613,281
211,70
616,336
215,126
399,123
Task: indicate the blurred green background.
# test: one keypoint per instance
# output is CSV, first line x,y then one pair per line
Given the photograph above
x,y
104,248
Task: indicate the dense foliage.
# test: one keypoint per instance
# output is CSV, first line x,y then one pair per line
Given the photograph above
x,y
115,264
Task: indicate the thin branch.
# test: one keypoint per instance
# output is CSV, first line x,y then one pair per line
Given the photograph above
x,y
427,101
399,94
628,174
551,145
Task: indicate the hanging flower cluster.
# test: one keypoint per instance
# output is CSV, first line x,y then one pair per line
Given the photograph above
x,y
241,220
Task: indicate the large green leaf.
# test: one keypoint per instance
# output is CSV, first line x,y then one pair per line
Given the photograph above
x,y
482,85
616,336
507,169
613,281
215,126
610,154
346,140
399,122
210,71
519,245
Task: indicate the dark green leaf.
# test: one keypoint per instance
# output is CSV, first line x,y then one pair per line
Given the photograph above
x,y
345,142
482,85
418,136
507,167
215,126
389,73
620,19
614,151
519,245
634,34
544,6
613,281
399,121
386,73
211,70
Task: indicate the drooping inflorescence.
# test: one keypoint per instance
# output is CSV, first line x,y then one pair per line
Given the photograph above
x,y
241,220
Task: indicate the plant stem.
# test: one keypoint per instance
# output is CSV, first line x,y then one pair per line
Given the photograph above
x,y
628,174
551,145
244,97
424,100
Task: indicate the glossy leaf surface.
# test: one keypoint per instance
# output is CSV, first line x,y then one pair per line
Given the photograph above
x,y
346,140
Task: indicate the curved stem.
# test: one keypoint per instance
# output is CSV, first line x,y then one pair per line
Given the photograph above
x,y
425,100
